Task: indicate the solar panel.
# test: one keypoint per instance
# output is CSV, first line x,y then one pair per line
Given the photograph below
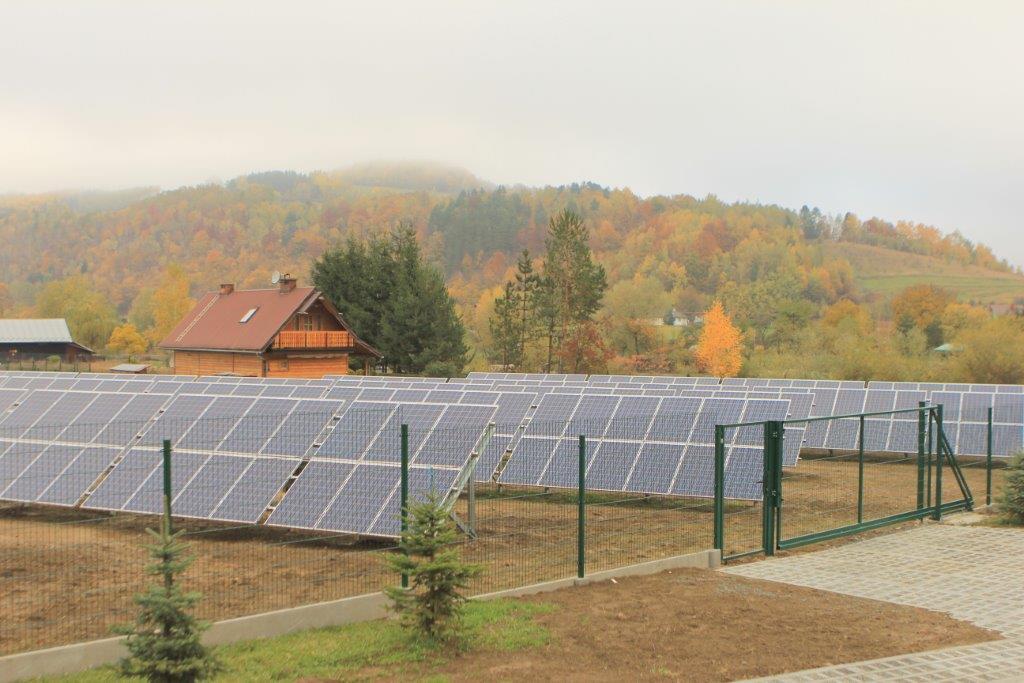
x,y
300,429
655,468
254,490
42,464
310,494
68,487
121,483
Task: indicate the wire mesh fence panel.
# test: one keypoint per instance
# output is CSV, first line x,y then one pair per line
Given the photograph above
x,y
742,484
822,492
649,489
76,498
524,520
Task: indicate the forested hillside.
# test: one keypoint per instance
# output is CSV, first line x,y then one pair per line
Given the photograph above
x,y
774,269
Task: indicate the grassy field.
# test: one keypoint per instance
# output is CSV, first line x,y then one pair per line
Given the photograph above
x,y
494,626
885,271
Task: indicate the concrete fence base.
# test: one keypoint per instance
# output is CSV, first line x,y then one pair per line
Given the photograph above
x,y
68,659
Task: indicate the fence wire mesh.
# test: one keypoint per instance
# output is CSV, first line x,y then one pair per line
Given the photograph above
x,y
287,503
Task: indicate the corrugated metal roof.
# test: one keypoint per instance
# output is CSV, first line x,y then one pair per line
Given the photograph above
x,y
34,330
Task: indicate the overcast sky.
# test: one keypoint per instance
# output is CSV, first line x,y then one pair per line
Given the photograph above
x,y
904,110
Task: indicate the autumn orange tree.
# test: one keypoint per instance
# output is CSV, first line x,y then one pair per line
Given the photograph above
x,y
922,306
171,302
128,340
719,348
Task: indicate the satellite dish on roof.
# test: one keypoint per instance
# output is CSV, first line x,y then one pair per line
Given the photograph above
x,y
275,278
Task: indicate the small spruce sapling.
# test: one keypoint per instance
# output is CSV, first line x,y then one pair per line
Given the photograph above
x,y
433,603
164,642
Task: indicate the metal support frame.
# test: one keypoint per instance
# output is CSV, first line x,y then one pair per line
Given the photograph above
x,y
467,481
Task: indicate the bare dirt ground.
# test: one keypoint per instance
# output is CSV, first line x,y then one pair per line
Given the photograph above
x,y
698,625
67,576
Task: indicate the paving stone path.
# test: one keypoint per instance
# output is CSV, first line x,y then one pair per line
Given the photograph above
x,y
971,573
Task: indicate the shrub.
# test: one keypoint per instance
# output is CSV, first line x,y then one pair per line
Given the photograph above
x,y
1012,504
163,643
433,603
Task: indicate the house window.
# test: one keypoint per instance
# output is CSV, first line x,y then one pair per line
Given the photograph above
x,y
248,315
307,323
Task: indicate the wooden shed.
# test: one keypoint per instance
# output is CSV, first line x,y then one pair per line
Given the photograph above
x,y
23,339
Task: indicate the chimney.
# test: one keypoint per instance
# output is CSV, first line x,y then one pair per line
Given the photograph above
x,y
227,288
286,283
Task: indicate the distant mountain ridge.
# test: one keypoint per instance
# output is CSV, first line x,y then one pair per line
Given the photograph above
x,y
245,228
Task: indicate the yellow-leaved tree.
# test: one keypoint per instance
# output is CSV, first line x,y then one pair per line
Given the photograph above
x,y
128,340
170,302
719,350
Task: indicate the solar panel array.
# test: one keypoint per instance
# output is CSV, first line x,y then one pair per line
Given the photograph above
x,y
322,454
235,457
642,444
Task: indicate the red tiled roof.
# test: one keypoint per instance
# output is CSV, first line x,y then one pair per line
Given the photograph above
x,y
215,322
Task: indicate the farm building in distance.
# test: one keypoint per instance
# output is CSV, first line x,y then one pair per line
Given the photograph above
x,y
287,331
36,339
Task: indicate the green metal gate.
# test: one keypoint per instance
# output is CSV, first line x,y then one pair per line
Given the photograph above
x,y
855,490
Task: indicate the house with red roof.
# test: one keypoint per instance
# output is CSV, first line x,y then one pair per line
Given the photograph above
x,y
287,331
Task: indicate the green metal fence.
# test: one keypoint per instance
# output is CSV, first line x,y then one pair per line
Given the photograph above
x,y
68,571
834,493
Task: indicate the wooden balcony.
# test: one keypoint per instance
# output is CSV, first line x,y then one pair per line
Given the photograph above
x,y
298,339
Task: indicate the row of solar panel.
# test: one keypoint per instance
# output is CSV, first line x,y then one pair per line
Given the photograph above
x,y
32,379
214,482
965,418
647,444
1007,408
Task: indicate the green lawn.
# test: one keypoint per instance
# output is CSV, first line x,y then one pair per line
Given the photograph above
x,y
343,651
887,271
967,287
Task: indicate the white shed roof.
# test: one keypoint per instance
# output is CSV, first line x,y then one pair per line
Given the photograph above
x,y
34,330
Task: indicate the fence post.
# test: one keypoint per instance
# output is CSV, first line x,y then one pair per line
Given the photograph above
x,y
405,490
719,533
167,485
860,472
768,490
780,437
928,468
581,511
988,460
920,453
937,515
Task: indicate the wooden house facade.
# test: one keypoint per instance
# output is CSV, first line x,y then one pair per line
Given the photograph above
x,y
287,331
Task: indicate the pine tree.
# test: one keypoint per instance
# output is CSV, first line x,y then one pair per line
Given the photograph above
x,y
527,284
396,302
504,325
720,345
572,284
432,605
164,643
1012,503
